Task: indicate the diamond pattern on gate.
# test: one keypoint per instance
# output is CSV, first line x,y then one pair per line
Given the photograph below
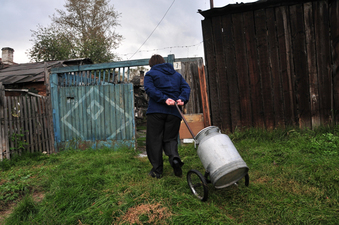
x,y
91,110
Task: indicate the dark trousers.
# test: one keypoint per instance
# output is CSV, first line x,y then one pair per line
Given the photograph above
x,y
162,134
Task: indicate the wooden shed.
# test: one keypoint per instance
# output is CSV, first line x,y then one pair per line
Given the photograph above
x,y
273,63
30,77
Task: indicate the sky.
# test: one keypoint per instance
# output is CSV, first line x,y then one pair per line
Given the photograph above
x,y
148,26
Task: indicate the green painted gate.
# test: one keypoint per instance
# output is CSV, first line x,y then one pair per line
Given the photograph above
x,y
93,105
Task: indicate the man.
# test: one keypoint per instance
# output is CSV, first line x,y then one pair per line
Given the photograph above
x,y
164,86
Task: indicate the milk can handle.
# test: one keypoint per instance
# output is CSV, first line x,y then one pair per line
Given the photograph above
x,y
182,115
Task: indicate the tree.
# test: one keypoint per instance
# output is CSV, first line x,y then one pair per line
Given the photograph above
x,y
51,44
84,30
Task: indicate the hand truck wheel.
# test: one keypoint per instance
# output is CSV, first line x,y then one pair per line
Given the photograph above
x,y
198,184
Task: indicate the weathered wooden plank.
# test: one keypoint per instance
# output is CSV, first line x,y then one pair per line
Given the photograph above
x,y
192,71
30,124
102,115
107,107
300,62
113,124
263,57
87,116
203,93
286,66
62,109
83,108
76,136
22,124
118,112
322,31
253,70
13,124
66,115
71,119
26,119
311,64
10,124
7,124
18,129
95,126
227,88
42,124
132,113
123,107
78,113
242,71
55,110
38,123
33,139
49,115
220,78
185,71
334,15
223,98
91,124
274,68
48,125
74,115
3,135
211,67
128,111
96,97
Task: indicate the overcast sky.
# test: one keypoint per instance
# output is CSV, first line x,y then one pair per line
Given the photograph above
x,y
179,33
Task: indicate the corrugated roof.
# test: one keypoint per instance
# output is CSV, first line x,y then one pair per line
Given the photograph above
x,y
34,72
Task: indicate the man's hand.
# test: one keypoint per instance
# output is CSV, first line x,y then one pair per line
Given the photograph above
x,y
179,102
170,101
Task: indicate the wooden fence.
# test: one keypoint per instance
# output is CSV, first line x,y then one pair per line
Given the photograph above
x,y
25,125
193,70
273,63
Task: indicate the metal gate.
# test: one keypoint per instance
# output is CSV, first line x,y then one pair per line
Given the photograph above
x,y
93,105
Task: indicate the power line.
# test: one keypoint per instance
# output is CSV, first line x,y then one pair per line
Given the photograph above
x,y
154,29
158,49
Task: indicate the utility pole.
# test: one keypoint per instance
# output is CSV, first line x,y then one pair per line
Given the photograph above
x,y
211,3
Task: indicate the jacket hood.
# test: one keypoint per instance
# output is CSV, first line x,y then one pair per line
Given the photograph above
x,y
165,68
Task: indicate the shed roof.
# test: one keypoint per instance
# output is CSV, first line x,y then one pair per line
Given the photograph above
x,y
243,7
34,72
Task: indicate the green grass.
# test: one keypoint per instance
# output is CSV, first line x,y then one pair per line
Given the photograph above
x,y
294,179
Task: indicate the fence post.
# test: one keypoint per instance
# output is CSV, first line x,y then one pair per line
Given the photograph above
x,y
3,133
203,92
170,59
49,109
2,139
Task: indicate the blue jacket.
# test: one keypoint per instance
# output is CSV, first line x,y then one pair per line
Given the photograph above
x,y
163,82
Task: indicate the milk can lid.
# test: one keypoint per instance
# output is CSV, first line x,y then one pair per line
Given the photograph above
x,y
205,132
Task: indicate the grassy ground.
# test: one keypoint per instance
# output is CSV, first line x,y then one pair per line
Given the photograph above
x,y
294,179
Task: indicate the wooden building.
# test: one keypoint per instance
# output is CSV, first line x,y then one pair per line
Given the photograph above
x,y
30,77
273,63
